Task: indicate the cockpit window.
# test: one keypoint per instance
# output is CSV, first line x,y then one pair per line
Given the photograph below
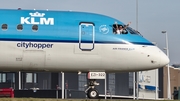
x,y
124,29
119,29
132,31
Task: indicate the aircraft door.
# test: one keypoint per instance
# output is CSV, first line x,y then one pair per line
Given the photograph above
x,y
86,36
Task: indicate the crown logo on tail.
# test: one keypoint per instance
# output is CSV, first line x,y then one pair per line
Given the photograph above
x,y
37,14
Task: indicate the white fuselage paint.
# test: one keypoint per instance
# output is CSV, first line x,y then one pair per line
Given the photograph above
x,y
68,57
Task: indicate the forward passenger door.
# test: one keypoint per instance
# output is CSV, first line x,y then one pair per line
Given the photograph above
x,y
86,36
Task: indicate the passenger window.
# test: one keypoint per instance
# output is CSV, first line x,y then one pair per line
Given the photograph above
x,y
35,27
19,27
4,27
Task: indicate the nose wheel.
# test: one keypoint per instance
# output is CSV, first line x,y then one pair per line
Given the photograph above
x,y
91,91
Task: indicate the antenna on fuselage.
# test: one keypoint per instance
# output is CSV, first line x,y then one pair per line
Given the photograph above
x,y
34,9
46,9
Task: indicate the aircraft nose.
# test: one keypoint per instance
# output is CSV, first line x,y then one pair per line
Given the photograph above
x,y
164,59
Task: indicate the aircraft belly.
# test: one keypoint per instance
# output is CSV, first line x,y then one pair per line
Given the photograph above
x,y
141,58
68,57
114,59
34,59
10,56
124,58
61,57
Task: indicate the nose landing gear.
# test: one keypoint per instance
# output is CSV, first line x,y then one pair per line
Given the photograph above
x,y
91,91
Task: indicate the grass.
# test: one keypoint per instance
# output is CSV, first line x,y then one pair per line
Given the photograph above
x,y
46,99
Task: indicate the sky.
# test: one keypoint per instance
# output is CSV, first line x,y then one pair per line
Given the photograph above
x,y
151,18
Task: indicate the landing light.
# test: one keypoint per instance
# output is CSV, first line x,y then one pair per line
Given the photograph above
x,y
79,72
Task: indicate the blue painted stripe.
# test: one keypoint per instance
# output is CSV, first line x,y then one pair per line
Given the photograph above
x,y
148,87
74,41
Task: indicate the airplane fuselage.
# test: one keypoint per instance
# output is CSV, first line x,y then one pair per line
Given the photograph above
x,y
71,42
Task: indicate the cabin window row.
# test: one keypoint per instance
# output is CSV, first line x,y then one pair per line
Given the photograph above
x,y
19,27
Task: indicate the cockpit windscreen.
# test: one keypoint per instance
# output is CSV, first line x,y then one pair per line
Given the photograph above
x,y
132,31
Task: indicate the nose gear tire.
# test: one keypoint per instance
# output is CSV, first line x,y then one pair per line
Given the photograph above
x,y
92,93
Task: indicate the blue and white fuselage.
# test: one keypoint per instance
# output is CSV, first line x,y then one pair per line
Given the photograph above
x,y
72,41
